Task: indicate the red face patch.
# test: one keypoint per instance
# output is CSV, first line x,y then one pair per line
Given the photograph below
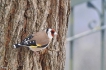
x,y
52,32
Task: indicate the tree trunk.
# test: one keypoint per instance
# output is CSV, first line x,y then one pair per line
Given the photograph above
x,y
18,19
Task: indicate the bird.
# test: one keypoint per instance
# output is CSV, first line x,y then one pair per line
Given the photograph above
x,y
37,41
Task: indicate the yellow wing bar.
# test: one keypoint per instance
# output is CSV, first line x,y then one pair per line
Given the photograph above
x,y
35,46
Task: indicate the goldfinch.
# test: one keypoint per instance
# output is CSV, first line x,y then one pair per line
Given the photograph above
x,y
38,41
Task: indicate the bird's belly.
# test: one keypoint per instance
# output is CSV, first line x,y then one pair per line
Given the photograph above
x,y
36,49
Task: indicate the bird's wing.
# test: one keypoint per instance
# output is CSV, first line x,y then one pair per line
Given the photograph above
x,y
34,44
28,38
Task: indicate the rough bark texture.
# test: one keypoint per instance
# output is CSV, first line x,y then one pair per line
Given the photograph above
x,y
18,19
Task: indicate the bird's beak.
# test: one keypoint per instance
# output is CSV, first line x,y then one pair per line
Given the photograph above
x,y
55,33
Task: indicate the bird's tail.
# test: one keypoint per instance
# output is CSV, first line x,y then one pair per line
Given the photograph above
x,y
25,43
17,45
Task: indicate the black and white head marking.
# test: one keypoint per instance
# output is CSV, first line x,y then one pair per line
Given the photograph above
x,y
51,33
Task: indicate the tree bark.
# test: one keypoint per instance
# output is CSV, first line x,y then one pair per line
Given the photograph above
x,y
18,19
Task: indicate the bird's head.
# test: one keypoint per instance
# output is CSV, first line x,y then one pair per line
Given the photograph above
x,y
51,33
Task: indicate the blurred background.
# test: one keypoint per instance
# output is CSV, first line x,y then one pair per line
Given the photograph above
x,y
86,36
